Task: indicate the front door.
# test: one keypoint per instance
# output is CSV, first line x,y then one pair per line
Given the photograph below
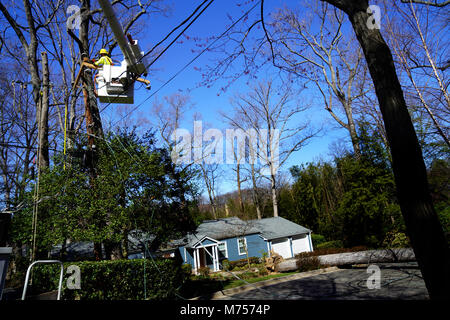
x,y
201,254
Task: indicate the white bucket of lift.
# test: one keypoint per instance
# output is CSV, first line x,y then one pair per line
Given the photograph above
x,y
114,84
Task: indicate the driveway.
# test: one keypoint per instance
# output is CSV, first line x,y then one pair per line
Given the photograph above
x,y
397,281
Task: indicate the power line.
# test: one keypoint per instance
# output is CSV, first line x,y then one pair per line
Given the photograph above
x,y
174,29
188,64
171,43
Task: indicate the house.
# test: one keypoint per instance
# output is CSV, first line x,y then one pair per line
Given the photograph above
x,y
232,238
214,241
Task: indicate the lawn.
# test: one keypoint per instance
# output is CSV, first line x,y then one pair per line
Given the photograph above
x,y
238,283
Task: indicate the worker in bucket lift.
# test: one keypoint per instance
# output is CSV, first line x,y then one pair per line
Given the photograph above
x,y
104,60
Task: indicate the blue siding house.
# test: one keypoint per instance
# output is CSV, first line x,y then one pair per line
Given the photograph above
x,y
231,238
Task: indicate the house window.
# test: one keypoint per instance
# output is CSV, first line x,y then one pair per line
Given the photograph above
x,y
242,245
222,247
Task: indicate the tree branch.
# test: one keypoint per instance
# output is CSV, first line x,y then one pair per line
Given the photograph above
x,y
14,25
428,3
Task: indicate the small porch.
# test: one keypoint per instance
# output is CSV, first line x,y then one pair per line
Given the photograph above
x,y
206,254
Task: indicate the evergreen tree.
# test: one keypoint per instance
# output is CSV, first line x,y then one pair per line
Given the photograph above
x,y
137,187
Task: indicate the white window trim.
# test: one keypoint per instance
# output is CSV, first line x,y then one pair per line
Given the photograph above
x,y
226,248
245,244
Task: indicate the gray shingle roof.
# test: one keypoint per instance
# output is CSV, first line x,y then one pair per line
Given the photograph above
x,y
218,229
278,227
269,228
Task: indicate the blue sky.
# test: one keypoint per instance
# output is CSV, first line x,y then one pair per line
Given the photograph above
x,y
209,101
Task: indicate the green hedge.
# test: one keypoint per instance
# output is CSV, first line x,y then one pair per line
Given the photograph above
x,y
115,280
317,239
330,244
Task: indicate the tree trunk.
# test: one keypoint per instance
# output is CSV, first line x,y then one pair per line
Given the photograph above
x,y
423,227
255,192
350,258
274,195
98,251
113,250
124,244
352,129
93,121
43,116
238,177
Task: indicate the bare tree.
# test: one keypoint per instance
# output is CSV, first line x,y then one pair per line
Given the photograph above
x,y
271,118
30,46
416,44
169,115
324,57
423,226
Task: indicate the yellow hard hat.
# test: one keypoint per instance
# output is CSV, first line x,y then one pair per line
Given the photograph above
x,y
103,51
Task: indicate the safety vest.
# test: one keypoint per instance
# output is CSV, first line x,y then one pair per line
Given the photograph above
x,y
105,60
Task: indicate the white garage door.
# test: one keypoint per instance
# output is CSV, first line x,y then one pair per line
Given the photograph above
x,y
300,243
282,247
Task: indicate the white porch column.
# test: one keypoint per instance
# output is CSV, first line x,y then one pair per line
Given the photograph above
x,y
199,263
216,260
213,258
196,260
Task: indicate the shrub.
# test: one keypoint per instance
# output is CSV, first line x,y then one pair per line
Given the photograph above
x,y
243,262
317,239
262,271
396,240
226,264
330,244
204,271
248,275
187,269
308,263
264,255
115,280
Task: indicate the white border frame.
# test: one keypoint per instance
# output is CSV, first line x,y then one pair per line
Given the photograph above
x,y
245,243
226,248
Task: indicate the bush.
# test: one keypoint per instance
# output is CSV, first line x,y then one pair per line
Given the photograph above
x,y
308,264
330,244
248,275
243,262
115,280
187,269
226,264
396,240
204,271
317,239
262,271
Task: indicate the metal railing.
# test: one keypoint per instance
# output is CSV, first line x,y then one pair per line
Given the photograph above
x,y
44,262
